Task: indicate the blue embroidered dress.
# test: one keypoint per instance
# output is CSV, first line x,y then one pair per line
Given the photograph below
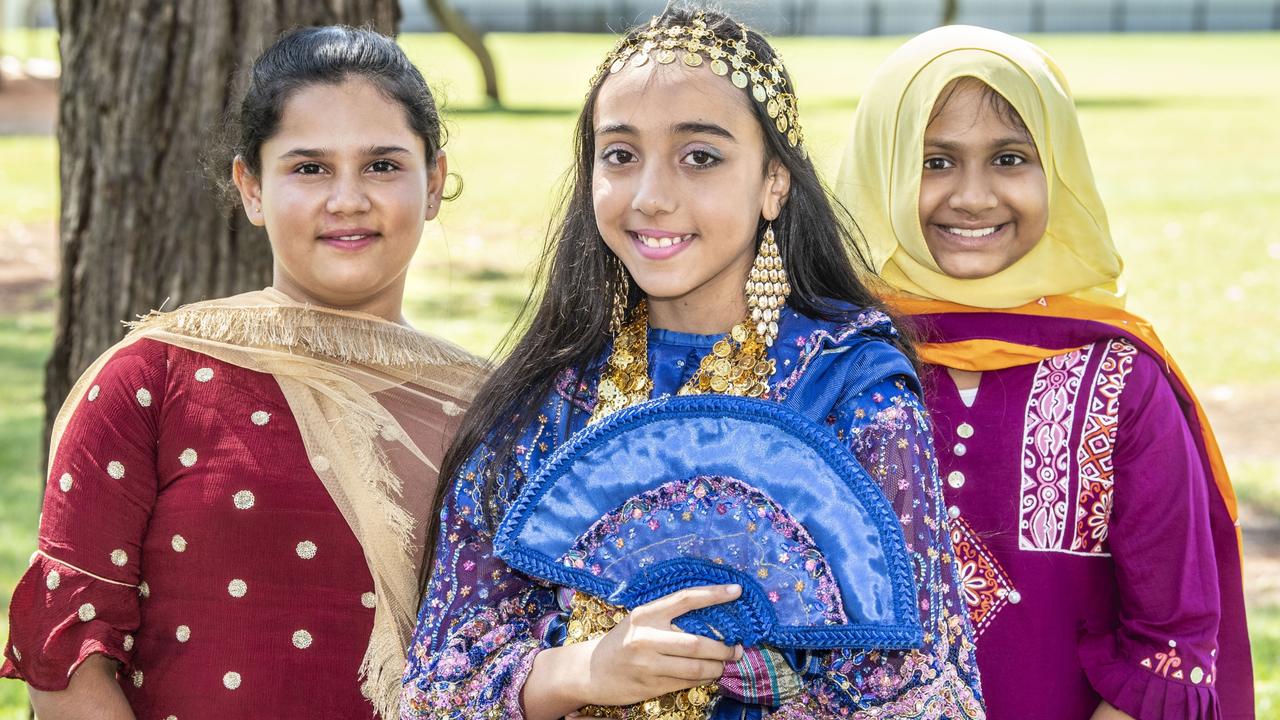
x,y
482,623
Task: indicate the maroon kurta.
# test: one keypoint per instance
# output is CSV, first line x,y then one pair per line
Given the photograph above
x,y
186,535
1081,520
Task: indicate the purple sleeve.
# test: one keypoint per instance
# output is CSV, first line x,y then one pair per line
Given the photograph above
x,y
475,642
1159,661
889,432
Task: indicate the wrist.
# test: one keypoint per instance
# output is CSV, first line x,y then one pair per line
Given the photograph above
x,y
575,664
558,682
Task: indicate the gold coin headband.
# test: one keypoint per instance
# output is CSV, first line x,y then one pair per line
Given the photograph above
x,y
696,43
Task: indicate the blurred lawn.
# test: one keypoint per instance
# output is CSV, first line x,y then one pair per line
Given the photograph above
x,y
1180,131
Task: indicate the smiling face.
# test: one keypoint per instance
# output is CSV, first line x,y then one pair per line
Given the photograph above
x,y
679,184
984,202
344,191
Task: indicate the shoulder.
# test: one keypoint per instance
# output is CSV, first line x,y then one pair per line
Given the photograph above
x,y
850,348
135,370
841,321
1142,383
1117,368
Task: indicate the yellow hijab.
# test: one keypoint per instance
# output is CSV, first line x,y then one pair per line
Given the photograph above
x,y
879,176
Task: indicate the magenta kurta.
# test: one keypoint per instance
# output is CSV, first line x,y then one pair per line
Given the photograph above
x,y
186,535
1080,516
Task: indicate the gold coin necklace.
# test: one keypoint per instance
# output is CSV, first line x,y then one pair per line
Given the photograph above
x,y
737,365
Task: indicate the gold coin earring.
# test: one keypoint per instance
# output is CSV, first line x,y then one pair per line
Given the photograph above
x,y
621,293
767,288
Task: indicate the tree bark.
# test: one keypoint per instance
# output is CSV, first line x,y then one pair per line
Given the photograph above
x,y
452,21
145,85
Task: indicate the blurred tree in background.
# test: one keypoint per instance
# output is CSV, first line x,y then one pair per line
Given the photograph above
x,y
144,87
453,22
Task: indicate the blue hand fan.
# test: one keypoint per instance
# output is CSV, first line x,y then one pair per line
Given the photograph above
x,y
708,489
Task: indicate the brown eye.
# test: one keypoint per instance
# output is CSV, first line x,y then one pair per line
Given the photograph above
x,y
618,156
383,166
701,158
937,163
309,169
1009,160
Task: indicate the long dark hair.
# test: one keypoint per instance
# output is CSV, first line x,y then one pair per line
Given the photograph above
x,y
565,324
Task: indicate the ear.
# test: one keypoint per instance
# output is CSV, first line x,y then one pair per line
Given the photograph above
x,y
436,176
250,191
777,186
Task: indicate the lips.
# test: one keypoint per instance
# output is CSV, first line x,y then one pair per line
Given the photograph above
x,y
972,232
659,244
349,238
970,237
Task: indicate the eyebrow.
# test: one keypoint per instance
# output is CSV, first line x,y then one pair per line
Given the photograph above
x,y
314,153
684,128
700,128
953,146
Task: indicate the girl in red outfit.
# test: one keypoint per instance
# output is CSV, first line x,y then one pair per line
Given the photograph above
x,y
236,491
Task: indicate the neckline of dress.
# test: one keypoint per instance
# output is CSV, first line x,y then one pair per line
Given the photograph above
x,y
683,339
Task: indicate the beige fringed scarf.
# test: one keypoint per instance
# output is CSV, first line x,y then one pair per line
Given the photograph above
x,y
376,404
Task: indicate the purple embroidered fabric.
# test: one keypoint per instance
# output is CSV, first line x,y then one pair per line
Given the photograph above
x,y
1080,517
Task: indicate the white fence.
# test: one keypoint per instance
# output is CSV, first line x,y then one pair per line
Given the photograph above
x,y
873,17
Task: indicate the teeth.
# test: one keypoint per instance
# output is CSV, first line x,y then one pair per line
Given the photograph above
x,y
350,238
662,242
980,232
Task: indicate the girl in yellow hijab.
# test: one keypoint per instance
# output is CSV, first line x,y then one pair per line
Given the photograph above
x,y
1092,516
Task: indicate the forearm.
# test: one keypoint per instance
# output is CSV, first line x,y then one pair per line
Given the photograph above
x,y
92,694
553,688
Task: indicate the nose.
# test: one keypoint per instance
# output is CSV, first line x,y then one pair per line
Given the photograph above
x,y
974,193
654,194
347,196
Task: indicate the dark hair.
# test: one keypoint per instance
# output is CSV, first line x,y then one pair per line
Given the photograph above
x,y
328,55
565,323
998,103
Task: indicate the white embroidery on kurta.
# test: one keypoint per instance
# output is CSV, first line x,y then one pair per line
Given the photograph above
x,y
1068,472
1096,446
1046,456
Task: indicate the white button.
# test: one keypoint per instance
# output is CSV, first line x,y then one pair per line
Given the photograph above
x,y
965,430
953,511
1015,597
955,479
960,449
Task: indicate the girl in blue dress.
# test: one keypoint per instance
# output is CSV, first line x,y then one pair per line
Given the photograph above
x,y
698,253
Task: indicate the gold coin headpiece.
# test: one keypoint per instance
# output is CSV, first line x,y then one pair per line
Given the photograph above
x,y
695,44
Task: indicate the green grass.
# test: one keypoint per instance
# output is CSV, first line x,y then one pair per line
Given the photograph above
x,y
24,345
1264,632
1180,129
25,44
28,179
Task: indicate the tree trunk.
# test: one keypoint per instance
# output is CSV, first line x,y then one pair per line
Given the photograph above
x,y
950,10
455,23
144,85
